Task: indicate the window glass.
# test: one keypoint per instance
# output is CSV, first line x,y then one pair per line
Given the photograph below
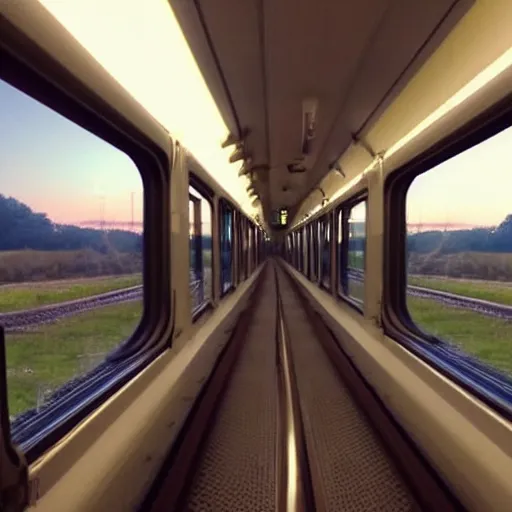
x,y
295,250
356,251
245,248
226,247
71,225
342,276
200,229
326,253
305,247
300,243
459,246
314,243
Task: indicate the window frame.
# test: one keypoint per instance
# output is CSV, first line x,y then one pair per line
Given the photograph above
x,y
207,194
223,205
342,249
314,237
55,87
473,375
325,223
305,249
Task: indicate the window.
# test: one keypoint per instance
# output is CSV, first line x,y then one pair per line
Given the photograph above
x,y
314,246
244,247
305,247
300,243
341,275
226,247
294,248
200,230
252,247
325,237
71,225
356,251
351,251
459,252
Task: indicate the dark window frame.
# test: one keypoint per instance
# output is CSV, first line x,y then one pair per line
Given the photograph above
x,y
325,222
475,376
207,194
223,206
314,237
342,252
28,68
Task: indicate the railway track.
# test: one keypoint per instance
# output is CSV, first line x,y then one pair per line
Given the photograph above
x,y
17,321
483,307
26,319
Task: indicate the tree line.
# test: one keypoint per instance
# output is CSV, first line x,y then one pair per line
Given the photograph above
x,y
22,228
498,240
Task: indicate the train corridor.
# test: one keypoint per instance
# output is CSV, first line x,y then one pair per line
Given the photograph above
x,y
283,425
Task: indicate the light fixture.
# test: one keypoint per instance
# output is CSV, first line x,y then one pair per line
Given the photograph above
x,y
233,139
238,153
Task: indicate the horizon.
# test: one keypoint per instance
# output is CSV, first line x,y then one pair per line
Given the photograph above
x,y
77,178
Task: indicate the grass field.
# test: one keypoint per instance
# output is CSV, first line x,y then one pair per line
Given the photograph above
x,y
356,259
41,361
494,291
32,295
46,359
490,339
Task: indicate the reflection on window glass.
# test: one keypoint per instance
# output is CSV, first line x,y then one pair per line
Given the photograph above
x,y
200,229
356,251
226,247
70,230
325,235
459,241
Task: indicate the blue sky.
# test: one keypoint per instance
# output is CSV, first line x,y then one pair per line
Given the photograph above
x,y
57,167
474,187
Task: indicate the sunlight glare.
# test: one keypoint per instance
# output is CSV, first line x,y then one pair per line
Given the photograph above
x,y
140,43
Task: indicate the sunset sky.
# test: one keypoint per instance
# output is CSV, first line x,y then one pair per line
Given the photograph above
x,y
59,168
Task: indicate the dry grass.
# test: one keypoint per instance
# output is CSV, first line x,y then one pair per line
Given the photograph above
x,y
30,265
466,265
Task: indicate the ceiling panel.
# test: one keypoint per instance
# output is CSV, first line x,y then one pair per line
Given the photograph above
x,y
312,49
352,56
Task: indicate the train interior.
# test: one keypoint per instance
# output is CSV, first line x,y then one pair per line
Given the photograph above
x,y
299,298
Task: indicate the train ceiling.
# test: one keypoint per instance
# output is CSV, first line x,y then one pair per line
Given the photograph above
x,y
299,80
